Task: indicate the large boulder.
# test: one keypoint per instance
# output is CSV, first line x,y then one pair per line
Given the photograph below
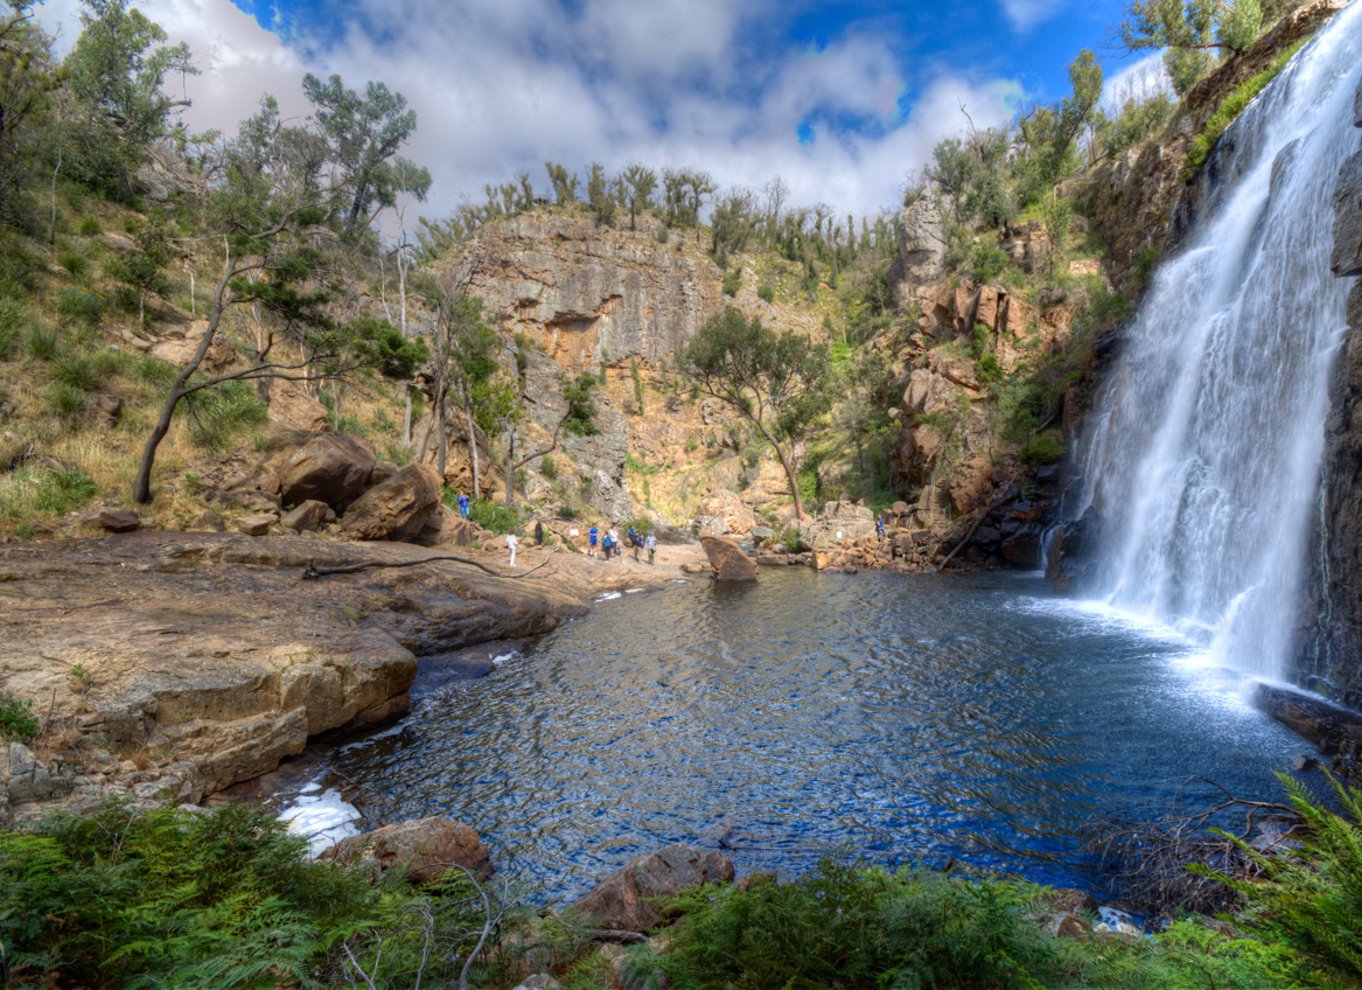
x,y
728,560
841,522
398,509
446,528
721,512
308,516
426,847
626,900
329,468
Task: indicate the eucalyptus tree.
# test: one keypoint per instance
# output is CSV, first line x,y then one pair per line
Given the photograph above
x,y
637,185
267,202
364,134
779,381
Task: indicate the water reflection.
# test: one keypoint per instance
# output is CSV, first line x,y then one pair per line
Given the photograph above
x,y
910,718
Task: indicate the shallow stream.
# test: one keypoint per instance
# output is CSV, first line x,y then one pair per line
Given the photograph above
x,y
920,717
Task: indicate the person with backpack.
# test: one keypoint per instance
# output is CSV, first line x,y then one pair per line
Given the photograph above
x,y
591,535
632,538
608,543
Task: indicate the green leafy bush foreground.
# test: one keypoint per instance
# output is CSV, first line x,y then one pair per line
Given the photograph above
x,y
183,898
221,899
848,927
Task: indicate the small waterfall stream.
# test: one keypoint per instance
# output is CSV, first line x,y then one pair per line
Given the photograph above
x,y
1201,457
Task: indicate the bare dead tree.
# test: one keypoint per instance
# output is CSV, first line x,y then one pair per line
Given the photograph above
x,y
1149,860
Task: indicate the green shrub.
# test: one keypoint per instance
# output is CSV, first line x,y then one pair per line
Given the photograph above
x,y
66,401
986,261
1310,896
80,306
1043,449
13,319
90,226
77,371
30,491
840,926
153,371
224,899
548,467
41,343
1233,105
732,282
17,720
581,414
18,267
218,414
75,263
765,292
491,516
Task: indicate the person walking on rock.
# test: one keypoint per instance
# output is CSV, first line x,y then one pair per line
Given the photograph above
x,y
591,535
539,532
634,540
651,544
463,505
511,544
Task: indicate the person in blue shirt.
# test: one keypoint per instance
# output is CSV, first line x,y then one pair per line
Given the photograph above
x,y
463,505
591,535
879,526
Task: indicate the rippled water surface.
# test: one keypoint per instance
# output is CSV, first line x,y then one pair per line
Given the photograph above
x,y
908,717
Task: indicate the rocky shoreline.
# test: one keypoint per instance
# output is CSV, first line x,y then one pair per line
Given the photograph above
x,y
169,665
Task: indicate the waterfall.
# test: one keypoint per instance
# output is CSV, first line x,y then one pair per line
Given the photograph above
x,y
1201,455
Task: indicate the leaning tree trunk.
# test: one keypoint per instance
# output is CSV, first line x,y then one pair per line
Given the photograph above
x,y
141,489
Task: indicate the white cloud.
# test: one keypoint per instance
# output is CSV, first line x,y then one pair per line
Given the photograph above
x,y
1026,14
501,87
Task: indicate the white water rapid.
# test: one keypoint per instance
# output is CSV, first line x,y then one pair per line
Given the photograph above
x,y
1201,456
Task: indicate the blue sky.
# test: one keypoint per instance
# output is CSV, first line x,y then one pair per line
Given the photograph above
x,y
842,100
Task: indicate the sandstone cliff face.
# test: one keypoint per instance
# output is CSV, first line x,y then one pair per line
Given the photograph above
x,y
588,294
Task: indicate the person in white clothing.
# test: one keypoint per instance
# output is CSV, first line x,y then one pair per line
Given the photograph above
x,y
511,544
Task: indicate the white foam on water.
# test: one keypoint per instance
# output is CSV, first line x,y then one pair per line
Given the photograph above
x,y
323,819
608,596
501,658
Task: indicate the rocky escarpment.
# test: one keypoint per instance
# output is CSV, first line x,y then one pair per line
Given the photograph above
x,y
588,294
175,664
1334,639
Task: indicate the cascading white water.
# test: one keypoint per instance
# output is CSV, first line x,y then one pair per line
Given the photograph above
x,y
1202,453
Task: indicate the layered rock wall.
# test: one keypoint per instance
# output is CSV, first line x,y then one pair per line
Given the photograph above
x,y
1334,616
587,294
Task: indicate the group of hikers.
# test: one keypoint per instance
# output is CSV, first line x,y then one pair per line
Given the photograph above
x,y
611,546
